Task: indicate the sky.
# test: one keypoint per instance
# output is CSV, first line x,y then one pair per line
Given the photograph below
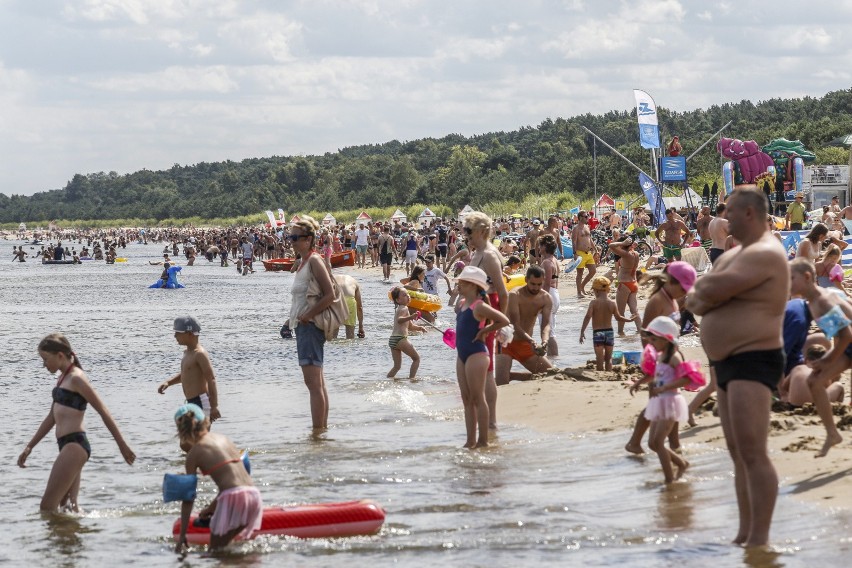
x,y
122,85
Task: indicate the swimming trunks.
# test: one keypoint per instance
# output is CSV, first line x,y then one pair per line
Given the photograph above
x,y
352,304
520,350
587,258
672,252
394,340
764,367
632,286
202,401
75,438
605,337
707,244
715,253
69,398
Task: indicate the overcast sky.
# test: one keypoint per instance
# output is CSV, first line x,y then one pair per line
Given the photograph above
x,y
122,85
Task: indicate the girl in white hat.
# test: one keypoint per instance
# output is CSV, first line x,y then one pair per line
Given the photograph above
x,y
666,406
474,312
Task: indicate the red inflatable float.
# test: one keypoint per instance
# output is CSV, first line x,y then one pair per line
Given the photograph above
x,y
324,520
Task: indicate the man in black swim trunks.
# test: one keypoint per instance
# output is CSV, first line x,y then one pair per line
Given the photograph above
x,y
742,302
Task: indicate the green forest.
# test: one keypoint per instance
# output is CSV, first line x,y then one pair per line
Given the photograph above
x,y
549,167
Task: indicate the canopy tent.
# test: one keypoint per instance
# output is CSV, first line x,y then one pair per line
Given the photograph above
x,y
295,219
363,217
466,210
329,219
399,216
841,141
603,205
686,199
425,217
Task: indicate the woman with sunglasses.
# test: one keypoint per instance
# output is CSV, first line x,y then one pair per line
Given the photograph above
x,y
484,255
310,340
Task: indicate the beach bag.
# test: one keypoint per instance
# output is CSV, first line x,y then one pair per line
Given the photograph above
x,y
330,319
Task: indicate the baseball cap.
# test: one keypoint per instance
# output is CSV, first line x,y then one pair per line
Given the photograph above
x,y
536,221
185,324
683,272
665,327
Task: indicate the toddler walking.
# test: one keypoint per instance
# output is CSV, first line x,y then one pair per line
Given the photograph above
x,y
666,406
402,323
600,313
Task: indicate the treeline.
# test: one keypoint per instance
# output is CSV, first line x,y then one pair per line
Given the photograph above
x,y
554,158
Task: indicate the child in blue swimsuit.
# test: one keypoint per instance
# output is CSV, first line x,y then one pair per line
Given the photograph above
x,y
473,311
71,396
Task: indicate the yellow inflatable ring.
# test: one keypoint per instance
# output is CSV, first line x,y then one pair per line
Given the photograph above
x,y
515,281
422,301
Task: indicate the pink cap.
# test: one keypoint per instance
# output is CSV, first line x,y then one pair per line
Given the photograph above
x,y
683,272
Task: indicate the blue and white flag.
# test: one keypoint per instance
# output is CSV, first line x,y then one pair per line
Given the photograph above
x,y
652,194
646,113
574,210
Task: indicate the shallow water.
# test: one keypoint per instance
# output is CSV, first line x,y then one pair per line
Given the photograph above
x,y
531,498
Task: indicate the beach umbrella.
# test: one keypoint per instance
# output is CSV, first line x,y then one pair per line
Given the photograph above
x,y
516,215
841,141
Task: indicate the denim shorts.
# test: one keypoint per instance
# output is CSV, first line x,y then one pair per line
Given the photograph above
x,y
309,344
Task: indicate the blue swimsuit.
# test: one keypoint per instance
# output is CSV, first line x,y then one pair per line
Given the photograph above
x,y
466,329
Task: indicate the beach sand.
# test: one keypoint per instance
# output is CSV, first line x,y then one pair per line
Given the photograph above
x,y
579,400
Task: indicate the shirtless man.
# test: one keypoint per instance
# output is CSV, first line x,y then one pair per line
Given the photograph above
x,y
477,228
531,243
628,264
718,230
553,229
640,223
386,246
748,286
19,254
526,304
702,225
677,235
581,238
196,373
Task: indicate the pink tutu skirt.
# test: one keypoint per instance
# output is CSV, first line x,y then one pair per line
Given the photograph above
x,y
237,507
667,407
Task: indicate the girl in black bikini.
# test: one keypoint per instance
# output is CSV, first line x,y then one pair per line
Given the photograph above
x,y
72,394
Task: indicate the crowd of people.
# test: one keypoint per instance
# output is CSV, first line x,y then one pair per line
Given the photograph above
x,y
770,352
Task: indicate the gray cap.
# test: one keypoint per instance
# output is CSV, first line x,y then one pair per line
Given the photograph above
x,y
187,323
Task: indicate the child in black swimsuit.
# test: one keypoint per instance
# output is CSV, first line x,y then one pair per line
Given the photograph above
x,y
71,396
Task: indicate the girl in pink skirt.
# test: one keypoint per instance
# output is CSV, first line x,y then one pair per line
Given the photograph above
x,y
238,509
667,406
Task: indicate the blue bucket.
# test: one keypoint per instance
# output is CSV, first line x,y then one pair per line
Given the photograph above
x,y
617,357
632,357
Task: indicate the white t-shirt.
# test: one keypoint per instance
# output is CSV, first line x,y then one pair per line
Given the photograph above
x,y
248,250
361,237
430,280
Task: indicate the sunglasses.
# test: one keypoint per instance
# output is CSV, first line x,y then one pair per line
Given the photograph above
x,y
295,238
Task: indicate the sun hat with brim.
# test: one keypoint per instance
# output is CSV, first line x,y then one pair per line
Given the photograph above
x,y
474,275
665,327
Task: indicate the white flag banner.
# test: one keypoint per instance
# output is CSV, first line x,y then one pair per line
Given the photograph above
x,y
281,215
271,216
646,113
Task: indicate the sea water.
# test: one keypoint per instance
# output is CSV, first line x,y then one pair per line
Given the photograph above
x,y
529,499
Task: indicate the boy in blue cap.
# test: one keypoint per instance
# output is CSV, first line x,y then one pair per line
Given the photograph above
x,y
196,372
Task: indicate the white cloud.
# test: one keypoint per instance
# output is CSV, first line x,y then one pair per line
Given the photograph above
x,y
213,79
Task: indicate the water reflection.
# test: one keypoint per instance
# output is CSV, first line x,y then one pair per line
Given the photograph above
x,y
675,506
64,534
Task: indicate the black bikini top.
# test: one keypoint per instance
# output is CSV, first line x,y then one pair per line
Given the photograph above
x,y
67,397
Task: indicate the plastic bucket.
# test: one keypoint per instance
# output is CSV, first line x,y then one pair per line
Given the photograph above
x,y
617,357
632,357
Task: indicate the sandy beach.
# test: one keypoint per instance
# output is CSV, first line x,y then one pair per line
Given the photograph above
x,y
599,401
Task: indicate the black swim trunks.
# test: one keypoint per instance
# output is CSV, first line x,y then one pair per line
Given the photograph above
x,y
764,367
715,253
